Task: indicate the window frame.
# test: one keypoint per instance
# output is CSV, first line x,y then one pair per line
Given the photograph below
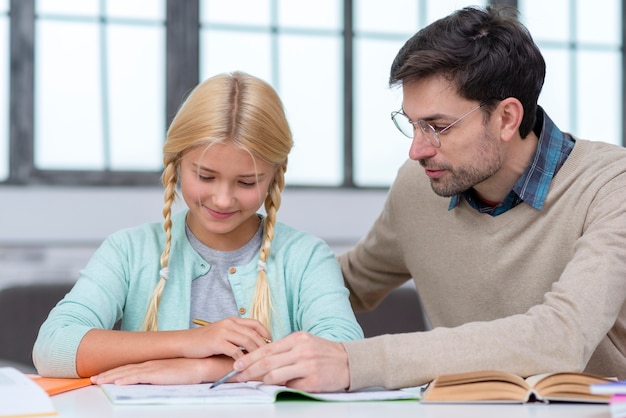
x,y
182,74
181,52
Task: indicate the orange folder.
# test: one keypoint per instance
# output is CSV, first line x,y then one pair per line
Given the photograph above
x,y
55,385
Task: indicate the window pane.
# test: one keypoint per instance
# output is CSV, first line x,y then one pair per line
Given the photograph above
x,y
137,100
4,86
599,96
313,102
99,87
240,12
546,20
253,53
557,93
440,8
318,14
599,21
69,7
137,9
68,97
581,42
379,149
383,16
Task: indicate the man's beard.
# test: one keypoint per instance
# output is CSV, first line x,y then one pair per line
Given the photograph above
x,y
460,179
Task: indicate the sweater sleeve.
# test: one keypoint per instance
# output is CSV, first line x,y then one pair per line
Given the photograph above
x,y
95,301
324,306
569,326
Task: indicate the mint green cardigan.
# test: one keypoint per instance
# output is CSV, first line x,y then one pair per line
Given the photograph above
x,y
305,281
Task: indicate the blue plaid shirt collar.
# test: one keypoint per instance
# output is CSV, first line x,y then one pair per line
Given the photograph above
x,y
532,187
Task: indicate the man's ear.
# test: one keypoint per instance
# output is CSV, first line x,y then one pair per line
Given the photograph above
x,y
510,113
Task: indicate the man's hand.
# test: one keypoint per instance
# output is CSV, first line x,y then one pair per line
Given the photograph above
x,y
301,361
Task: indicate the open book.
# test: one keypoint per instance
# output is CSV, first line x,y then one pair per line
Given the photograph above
x,y
249,392
20,396
498,386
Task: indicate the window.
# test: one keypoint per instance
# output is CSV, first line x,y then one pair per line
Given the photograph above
x,y
297,47
582,44
99,77
103,98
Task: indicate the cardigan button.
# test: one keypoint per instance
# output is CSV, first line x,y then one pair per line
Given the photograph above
x,y
242,311
232,270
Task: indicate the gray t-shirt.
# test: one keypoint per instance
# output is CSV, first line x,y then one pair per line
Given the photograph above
x,y
212,297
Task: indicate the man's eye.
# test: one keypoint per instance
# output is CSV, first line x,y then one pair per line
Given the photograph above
x,y
438,128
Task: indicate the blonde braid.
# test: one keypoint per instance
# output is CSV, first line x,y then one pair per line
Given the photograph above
x,y
169,179
262,302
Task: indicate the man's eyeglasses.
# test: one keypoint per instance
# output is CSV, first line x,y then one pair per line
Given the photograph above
x,y
431,133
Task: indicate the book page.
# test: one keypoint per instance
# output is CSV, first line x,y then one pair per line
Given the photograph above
x,y
478,386
370,394
186,394
19,395
565,386
249,392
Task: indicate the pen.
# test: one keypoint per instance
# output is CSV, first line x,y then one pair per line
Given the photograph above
x,y
202,322
224,378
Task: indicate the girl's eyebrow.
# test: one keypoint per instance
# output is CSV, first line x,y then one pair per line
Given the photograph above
x,y
208,170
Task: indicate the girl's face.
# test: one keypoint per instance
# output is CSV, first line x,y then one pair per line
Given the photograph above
x,y
224,187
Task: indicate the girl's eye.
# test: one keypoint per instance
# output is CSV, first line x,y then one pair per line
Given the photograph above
x,y
205,178
246,184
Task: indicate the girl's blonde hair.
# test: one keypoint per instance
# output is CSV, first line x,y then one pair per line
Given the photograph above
x,y
247,112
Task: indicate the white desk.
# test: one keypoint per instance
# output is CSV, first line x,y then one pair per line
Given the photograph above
x,y
91,402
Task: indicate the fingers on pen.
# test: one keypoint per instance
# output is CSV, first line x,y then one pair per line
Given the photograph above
x,y
255,326
248,326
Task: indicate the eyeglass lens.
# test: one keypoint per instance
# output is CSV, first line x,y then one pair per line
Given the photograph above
x,y
408,129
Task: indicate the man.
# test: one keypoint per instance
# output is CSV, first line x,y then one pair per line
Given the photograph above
x,y
519,255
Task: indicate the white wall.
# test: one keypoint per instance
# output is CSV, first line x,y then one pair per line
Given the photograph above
x,y
48,233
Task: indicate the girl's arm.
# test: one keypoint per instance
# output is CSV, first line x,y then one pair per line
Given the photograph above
x,y
168,372
101,350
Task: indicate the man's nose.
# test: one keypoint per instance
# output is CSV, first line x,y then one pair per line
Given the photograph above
x,y
420,146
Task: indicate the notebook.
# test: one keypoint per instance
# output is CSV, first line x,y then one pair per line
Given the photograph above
x,y
239,393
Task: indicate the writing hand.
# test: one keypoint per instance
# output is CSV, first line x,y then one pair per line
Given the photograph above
x,y
231,336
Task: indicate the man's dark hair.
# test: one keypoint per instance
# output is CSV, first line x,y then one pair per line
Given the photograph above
x,y
487,53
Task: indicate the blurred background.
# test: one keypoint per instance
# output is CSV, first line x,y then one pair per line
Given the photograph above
x,y
89,87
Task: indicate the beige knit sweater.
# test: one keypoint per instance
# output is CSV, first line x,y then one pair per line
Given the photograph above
x,y
526,291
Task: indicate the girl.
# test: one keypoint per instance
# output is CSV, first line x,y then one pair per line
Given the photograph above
x,y
250,278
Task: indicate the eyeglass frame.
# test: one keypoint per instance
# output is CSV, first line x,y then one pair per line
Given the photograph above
x,y
423,124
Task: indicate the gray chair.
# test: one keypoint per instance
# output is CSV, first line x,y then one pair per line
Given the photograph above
x,y
23,309
401,311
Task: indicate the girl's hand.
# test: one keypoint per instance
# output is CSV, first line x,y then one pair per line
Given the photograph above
x,y
232,337
177,371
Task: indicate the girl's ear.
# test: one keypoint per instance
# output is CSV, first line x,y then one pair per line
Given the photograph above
x,y
510,113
